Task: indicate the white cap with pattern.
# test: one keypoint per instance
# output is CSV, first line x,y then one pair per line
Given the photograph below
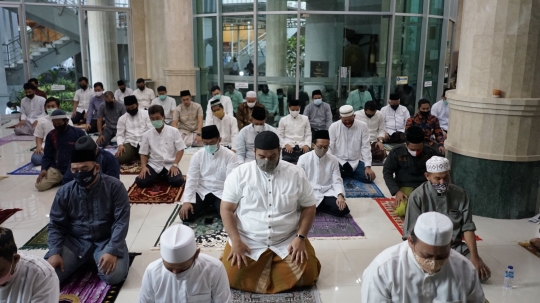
x,y
437,164
346,111
251,94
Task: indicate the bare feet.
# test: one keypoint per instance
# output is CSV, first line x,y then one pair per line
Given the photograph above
x,y
536,243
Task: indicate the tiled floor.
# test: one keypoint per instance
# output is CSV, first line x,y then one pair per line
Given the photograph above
x,y
343,261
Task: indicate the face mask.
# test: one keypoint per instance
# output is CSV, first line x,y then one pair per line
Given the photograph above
x,y
162,97
141,87
295,113
133,112
320,152
414,153
85,178
83,86
258,128
394,107
317,102
429,266
110,104
265,90
280,96
440,188
30,96
6,278
217,97
370,116
445,102
425,114
251,104
61,128
50,111
123,90
267,166
157,123
219,114
211,149
99,94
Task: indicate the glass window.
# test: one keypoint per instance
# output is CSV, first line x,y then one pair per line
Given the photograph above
x,y
323,5
433,56
436,7
276,5
410,6
66,2
206,56
405,57
12,76
233,6
10,0
370,6
206,6
239,50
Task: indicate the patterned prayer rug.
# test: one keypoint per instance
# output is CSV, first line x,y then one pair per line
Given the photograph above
x,y
28,169
132,168
6,213
160,193
14,137
38,241
527,245
389,147
304,295
329,227
357,189
85,286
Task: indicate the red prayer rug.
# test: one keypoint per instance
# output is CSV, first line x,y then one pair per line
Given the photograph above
x,y
6,213
160,193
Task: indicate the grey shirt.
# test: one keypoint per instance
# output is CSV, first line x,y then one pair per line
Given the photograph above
x,y
454,204
111,115
320,117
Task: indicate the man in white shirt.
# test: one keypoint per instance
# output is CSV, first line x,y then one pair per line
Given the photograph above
x,y
161,150
182,274
208,169
441,111
349,142
375,122
32,108
246,137
227,125
168,103
122,91
322,170
81,101
225,101
25,278
395,119
295,131
267,209
130,129
43,127
144,94
423,269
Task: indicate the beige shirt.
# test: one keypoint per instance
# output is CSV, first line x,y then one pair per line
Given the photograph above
x,y
187,116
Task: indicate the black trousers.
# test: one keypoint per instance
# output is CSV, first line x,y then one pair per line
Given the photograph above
x,y
329,206
210,204
79,118
153,177
292,157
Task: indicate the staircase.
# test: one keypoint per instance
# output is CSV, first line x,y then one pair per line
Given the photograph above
x,y
248,52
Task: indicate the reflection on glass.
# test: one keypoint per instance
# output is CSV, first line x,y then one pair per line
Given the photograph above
x,y
322,5
431,67
274,5
410,6
12,75
207,6
207,54
407,34
436,7
370,6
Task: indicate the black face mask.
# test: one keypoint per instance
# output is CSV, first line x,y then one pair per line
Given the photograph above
x,y
83,86
141,87
425,114
30,96
394,107
123,90
133,112
61,128
370,116
110,104
265,90
85,178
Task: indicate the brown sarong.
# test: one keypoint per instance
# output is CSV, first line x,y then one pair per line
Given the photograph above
x,y
271,274
376,153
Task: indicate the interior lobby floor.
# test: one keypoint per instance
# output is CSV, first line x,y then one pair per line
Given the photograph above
x,y
343,261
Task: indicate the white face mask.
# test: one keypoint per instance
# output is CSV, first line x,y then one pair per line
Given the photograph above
x,y
412,152
317,101
251,104
258,128
99,94
295,113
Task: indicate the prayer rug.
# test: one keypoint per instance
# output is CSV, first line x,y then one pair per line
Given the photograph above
x,y
208,236
38,241
527,245
14,137
329,227
301,295
28,169
161,193
132,168
6,213
389,147
357,189
85,286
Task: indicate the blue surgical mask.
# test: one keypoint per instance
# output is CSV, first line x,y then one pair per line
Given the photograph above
x,y
317,102
50,111
445,102
211,149
217,97
157,123
162,97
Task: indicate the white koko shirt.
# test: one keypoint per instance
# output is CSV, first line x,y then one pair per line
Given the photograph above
x,y
161,148
228,129
34,280
119,95
295,131
32,109
395,120
169,104
205,281
227,108
375,124
83,96
323,175
207,173
394,276
441,111
144,97
269,205
245,142
350,144
130,129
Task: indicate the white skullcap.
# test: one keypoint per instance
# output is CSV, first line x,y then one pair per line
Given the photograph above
x,y
437,164
346,111
434,229
251,94
177,244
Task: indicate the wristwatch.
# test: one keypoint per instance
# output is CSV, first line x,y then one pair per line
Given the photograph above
x,y
301,237
199,134
175,165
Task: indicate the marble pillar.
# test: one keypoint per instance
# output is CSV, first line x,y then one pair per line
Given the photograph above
x,y
138,24
276,42
493,143
156,41
103,45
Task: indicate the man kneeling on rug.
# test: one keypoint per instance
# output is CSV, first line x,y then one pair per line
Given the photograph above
x,y
162,148
208,169
438,194
182,274
89,220
267,209
25,278
322,170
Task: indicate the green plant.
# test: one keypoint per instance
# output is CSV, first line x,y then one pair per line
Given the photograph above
x,y
65,96
292,53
